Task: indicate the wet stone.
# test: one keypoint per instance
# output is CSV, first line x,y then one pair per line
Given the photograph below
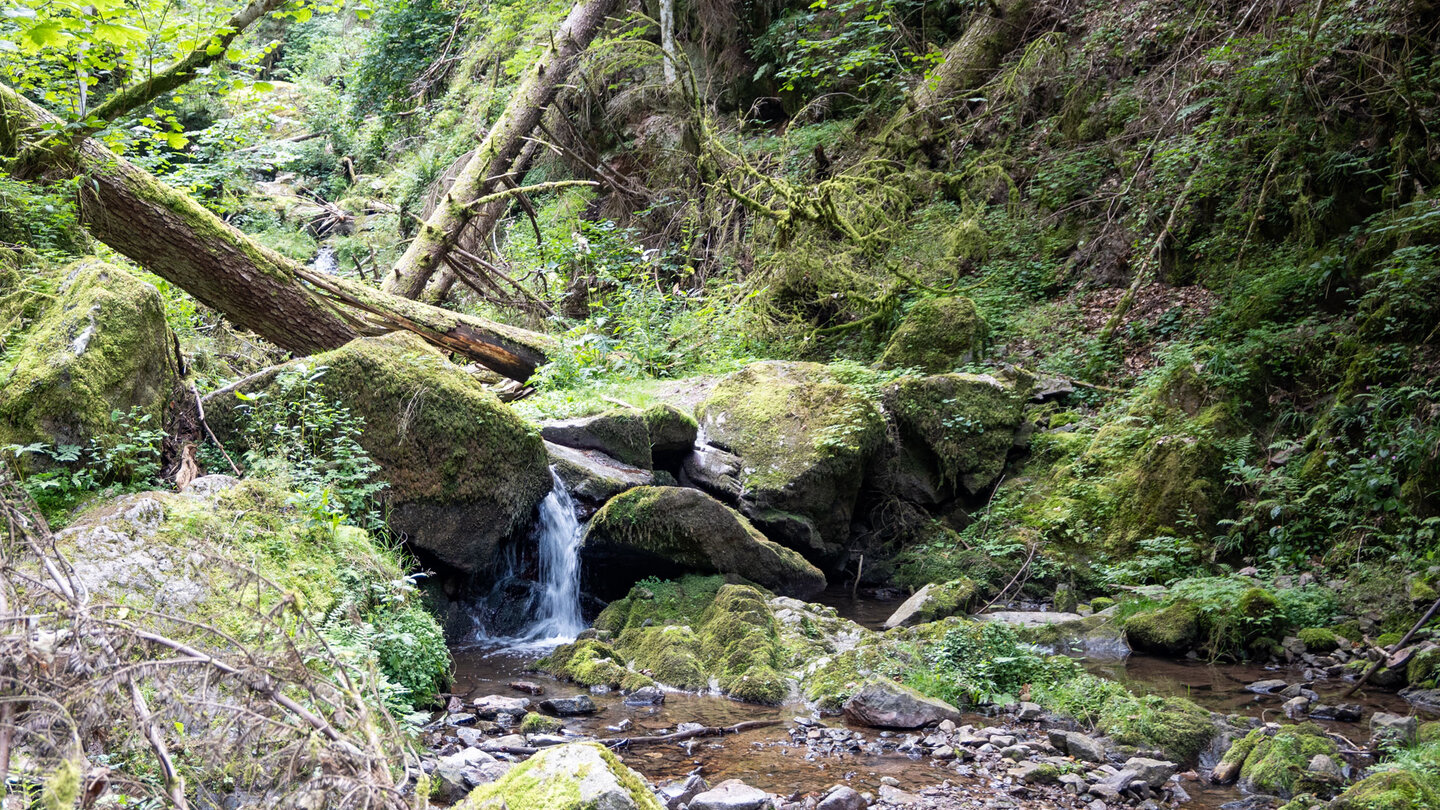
x,y
569,707
528,687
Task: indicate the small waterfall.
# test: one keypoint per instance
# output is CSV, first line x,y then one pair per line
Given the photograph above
x,y
557,600
545,611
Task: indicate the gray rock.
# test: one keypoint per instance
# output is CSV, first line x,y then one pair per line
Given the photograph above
x,y
593,477
507,741
1295,707
1267,687
1325,767
645,696
621,435
1153,772
677,792
1392,729
461,772
1079,745
841,797
568,707
894,795
578,771
492,706
732,794
1029,711
882,703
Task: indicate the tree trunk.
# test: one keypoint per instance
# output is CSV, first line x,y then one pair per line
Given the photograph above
x,y
289,305
975,55
496,155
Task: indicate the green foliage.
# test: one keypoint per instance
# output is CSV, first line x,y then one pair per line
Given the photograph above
x,y
979,663
314,440
126,459
384,620
403,42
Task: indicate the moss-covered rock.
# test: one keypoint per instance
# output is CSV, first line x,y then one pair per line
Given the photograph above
x,y
1391,790
739,640
160,553
100,346
935,601
804,438
937,335
965,422
621,435
1170,630
540,724
577,776
666,531
587,662
672,433
591,477
465,472
1319,640
669,654
1423,668
1176,726
1278,765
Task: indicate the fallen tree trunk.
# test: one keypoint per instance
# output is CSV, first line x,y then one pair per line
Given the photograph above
x,y
292,306
497,154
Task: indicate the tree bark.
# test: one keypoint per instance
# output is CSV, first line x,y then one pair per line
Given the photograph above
x,y
496,155
292,306
975,55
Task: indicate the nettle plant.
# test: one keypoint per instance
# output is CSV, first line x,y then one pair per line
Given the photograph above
x,y
293,429
127,459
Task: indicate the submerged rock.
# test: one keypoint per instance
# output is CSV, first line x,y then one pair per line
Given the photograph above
x,y
569,706
666,531
804,438
576,776
101,346
465,472
882,703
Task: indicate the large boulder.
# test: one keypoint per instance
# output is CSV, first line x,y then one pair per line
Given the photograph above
x,y
882,703
960,426
666,531
99,347
577,776
621,435
465,472
1278,764
938,335
804,438
672,434
591,477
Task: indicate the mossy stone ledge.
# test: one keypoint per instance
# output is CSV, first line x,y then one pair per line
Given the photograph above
x,y
937,335
667,531
804,439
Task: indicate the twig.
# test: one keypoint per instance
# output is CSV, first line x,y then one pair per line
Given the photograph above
x,y
708,731
200,412
174,782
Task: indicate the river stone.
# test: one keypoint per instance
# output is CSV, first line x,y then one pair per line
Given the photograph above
x,y
568,707
577,776
967,422
465,472
621,435
841,797
645,696
592,477
678,792
672,434
933,602
1392,729
1153,772
463,771
667,531
1079,746
882,703
732,794
100,346
492,706
804,438
714,470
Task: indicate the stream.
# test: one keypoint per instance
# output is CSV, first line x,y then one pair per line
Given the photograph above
x,y
770,758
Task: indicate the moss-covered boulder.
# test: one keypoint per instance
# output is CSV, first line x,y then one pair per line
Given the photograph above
x,y
587,662
465,472
672,434
667,531
961,425
1391,790
804,438
1320,640
98,347
937,335
1170,630
935,601
1278,764
577,776
621,435
192,556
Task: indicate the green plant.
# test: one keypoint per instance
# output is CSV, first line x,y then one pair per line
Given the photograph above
x,y
315,442
126,459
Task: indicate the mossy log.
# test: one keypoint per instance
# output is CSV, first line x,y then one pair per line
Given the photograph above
x,y
296,308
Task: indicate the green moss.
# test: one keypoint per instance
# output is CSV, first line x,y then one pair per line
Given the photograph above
x,y
1388,640
1258,605
1319,639
1428,732
668,654
1174,725
1278,764
1391,790
1349,630
967,421
540,724
1423,669
99,346
1171,630
672,431
652,602
533,785
937,335
587,662
1100,603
